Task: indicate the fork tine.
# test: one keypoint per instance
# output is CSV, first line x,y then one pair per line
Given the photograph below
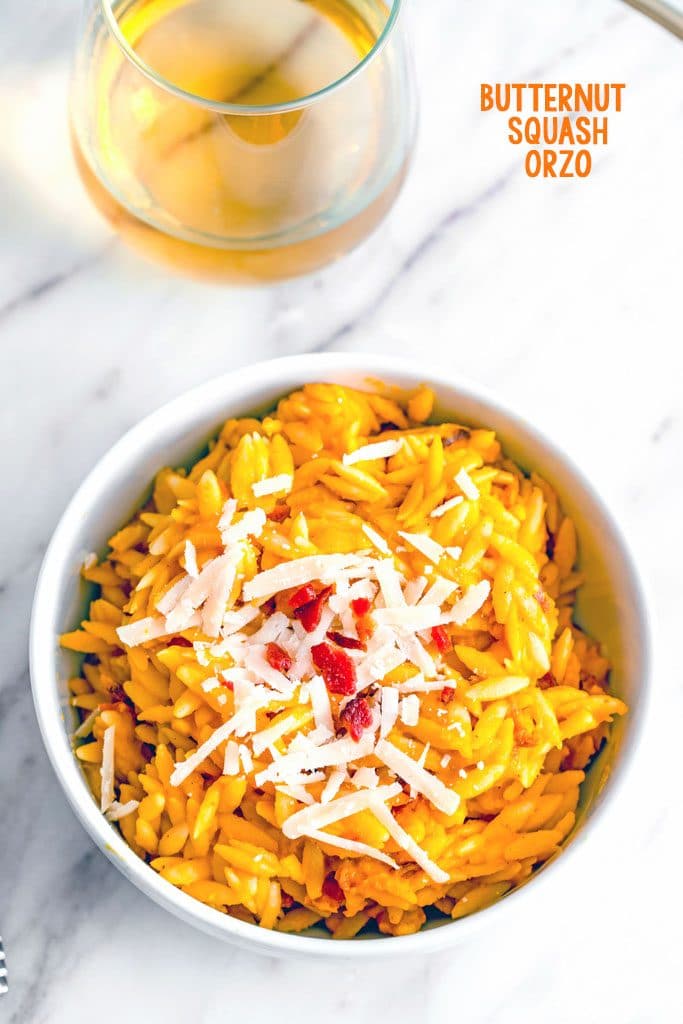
x,y
3,971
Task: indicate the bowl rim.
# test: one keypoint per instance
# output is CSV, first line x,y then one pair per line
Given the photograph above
x,y
150,432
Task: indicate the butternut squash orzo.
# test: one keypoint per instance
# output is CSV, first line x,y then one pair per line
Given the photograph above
x,y
332,673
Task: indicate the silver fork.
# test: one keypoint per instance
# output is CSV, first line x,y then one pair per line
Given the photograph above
x,y
3,971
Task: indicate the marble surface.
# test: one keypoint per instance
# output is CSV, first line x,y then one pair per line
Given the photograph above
x,y
564,297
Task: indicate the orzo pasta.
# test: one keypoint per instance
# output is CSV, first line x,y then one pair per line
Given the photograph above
x,y
332,673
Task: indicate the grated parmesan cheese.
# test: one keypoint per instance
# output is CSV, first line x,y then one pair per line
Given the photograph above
x,y
467,485
339,752
227,514
266,737
410,710
320,702
297,793
107,769
424,544
191,567
399,835
352,845
441,510
281,484
370,452
468,605
184,769
231,764
320,815
85,728
439,592
117,811
420,779
246,759
389,583
376,539
415,617
335,781
389,712
250,525
135,633
303,570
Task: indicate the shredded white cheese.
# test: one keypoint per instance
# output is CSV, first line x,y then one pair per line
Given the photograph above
x,y
191,567
302,570
424,544
281,484
227,514
467,485
389,710
184,769
107,775
117,811
365,778
266,737
468,605
352,845
135,633
376,539
390,583
334,783
410,710
412,617
420,779
441,510
250,525
370,452
339,752
320,815
85,728
320,702
404,840
231,764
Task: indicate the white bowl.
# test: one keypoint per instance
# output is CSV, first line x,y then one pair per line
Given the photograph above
x,y
611,606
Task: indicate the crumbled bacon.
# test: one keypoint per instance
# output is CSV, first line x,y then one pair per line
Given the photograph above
x,y
361,606
365,627
546,681
279,514
302,596
278,658
310,614
179,641
357,717
349,642
441,639
336,668
333,890
447,695
118,700
227,683
286,900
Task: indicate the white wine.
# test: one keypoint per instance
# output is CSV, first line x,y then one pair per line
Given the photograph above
x,y
243,193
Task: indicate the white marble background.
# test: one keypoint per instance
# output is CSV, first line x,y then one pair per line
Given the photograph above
x,y
564,297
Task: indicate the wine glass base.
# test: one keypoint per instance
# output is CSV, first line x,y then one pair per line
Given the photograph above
x,y
238,266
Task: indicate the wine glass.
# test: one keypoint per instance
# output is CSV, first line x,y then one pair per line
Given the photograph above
x,y
244,141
